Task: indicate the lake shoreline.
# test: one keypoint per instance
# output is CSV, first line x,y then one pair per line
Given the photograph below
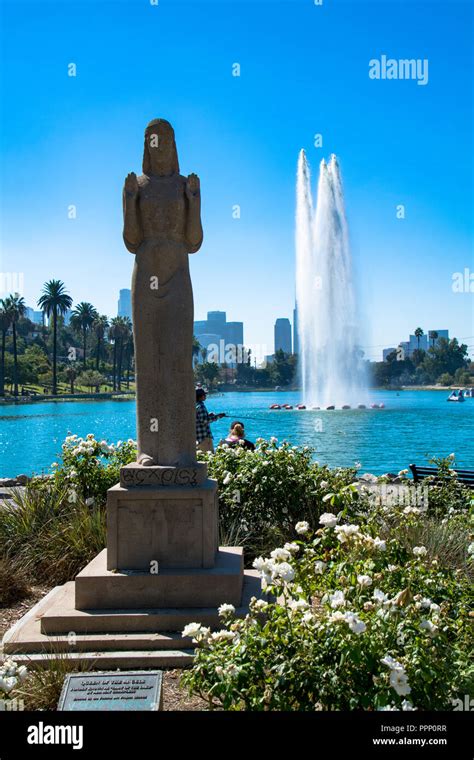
x,y
130,395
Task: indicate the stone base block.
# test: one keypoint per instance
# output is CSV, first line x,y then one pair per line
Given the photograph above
x,y
96,587
174,526
120,638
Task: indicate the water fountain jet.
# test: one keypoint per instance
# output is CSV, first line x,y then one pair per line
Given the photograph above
x,y
330,360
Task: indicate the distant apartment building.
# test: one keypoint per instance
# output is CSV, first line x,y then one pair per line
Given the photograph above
x,y
222,340
406,348
124,308
283,335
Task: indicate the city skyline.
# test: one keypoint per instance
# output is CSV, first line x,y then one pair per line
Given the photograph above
x,y
233,333
409,208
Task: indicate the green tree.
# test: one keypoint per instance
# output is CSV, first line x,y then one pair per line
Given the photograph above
x,y
445,356
54,301
82,319
100,327
445,379
91,379
462,376
282,368
5,323
16,308
433,335
418,334
208,372
71,374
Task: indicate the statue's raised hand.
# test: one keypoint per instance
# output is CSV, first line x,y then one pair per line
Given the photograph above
x,y
193,186
131,184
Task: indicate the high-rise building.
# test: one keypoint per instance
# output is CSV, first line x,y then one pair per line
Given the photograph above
x,y
125,303
34,316
296,340
221,338
283,335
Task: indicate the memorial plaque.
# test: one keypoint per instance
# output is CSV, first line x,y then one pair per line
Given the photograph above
x,y
102,691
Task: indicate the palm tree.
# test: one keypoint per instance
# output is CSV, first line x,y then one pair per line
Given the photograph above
x,y
100,327
123,330
71,374
53,301
433,337
82,319
4,327
16,308
196,350
418,334
113,336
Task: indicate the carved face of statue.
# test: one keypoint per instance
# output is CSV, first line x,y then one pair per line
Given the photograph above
x,y
160,156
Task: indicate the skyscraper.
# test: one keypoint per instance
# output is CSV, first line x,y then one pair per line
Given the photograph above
x,y
216,330
296,341
125,303
283,335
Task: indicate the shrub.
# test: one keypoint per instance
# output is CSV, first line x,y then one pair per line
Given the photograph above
x,y
262,493
353,620
48,535
90,467
13,584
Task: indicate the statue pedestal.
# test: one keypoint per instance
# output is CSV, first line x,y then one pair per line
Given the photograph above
x,y
150,528
162,569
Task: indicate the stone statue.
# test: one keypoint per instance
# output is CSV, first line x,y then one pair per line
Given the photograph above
x,y
162,225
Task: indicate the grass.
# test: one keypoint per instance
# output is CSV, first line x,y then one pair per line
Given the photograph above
x,y
13,584
50,538
42,688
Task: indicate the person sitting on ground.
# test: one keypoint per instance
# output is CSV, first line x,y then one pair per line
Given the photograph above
x,y
236,437
204,436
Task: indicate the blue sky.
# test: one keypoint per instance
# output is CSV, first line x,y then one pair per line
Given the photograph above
x,y
304,70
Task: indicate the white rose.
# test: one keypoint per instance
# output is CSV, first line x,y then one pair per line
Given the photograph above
x,y
419,551
319,567
302,527
337,599
399,682
293,548
226,609
281,555
284,571
364,580
328,520
191,630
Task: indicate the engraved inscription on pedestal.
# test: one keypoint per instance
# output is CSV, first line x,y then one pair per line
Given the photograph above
x,y
137,690
134,475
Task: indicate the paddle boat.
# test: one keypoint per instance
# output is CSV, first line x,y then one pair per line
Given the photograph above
x,y
468,392
331,406
275,406
361,406
455,396
346,406
301,406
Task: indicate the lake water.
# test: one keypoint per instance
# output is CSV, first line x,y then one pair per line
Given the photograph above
x,y
414,426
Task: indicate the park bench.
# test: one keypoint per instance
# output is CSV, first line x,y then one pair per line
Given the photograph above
x,y
420,473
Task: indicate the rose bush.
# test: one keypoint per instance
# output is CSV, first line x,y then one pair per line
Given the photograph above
x,y
354,617
263,493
